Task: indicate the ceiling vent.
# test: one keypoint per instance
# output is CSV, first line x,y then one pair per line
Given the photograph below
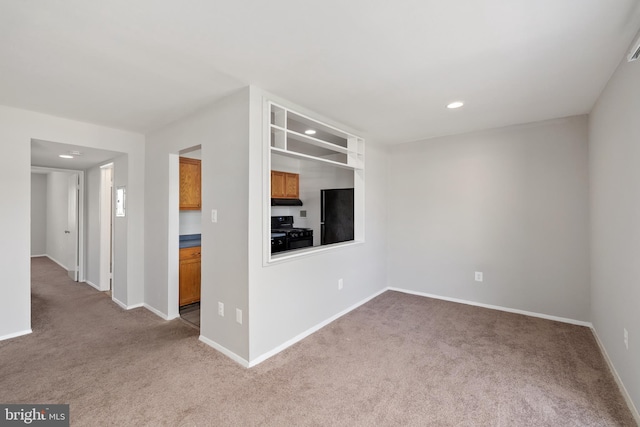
x,y
634,53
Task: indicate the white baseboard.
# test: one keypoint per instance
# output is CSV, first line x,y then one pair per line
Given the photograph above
x,y
156,311
125,306
230,354
38,256
120,303
614,372
93,285
311,330
90,283
496,307
15,335
57,262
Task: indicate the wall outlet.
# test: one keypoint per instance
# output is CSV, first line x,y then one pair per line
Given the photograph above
x,y
239,316
214,215
220,309
626,338
340,284
479,276
303,214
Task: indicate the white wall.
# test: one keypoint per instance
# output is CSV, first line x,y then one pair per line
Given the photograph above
x,y
57,219
122,277
190,222
614,147
511,203
17,128
38,214
289,298
222,132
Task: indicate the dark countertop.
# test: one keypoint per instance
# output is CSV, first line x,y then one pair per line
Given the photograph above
x,y
189,241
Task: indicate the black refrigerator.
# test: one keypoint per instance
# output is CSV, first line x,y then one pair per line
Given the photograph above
x,y
336,215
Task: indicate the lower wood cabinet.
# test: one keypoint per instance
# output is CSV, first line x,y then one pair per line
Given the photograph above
x,y
189,275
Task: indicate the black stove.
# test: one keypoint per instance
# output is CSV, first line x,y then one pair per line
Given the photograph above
x,y
285,237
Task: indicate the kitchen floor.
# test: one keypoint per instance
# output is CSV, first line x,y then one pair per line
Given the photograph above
x,y
191,314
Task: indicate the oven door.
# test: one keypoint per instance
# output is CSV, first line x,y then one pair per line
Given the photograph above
x,y
278,244
300,242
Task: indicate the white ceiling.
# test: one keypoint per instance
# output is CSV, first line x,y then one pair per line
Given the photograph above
x,y
385,68
46,154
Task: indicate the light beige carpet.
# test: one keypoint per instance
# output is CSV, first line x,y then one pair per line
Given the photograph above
x,y
397,360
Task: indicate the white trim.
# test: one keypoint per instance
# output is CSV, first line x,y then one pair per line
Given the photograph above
x,y
268,150
623,389
120,303
93,285
230,354
299,253
157,312
496,307
57,262
124,306
107,230
38,256
15,335
173,236
311,330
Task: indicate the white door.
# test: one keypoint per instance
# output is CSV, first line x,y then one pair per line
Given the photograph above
x,y
71,233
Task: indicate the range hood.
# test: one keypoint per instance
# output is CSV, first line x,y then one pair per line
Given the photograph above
x,y
286,202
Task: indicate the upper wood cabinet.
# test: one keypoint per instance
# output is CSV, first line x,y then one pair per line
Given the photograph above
x,y
285,185
190,184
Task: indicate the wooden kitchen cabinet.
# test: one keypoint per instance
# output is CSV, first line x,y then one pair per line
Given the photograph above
x,y
285,185
189,271
190,184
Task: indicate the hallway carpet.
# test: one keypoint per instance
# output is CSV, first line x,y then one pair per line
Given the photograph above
x,y
397,360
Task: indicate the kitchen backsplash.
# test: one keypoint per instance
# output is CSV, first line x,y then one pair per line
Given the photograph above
x,y
190,222
293,211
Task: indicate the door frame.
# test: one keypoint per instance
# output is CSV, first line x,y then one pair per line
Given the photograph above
x,y
106,221
173,250
81,214
73,214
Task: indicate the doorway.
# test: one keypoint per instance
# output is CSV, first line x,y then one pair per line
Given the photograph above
x,y
189,213
72,232
57,218
85,229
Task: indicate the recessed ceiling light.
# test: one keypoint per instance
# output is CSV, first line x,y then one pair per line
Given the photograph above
x,y
310,132
66,156
456,104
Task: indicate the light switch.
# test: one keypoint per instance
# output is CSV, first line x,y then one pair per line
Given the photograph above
x,y
214,215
